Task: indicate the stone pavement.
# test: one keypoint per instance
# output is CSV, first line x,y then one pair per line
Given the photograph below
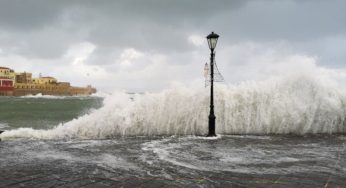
x,y
54,176
131,163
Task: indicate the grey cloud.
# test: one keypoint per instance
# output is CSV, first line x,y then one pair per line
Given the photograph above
x,y
158,25
18,14
45,29
285,20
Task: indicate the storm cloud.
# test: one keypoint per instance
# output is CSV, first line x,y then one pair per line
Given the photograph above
x,y
145,45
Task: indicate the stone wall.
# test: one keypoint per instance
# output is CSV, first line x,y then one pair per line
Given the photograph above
x,y
51,89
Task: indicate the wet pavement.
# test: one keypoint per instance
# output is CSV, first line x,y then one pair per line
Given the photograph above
x,y
229,161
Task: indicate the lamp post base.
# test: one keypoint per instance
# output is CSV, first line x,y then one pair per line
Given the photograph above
x,y
211,125
211,135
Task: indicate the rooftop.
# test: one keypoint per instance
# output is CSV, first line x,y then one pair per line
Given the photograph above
x,y
48,77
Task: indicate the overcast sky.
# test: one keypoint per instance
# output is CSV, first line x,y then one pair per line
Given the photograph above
x,y
146,45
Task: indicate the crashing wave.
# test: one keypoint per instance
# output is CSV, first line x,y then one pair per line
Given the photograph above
x,y
41,96
288,105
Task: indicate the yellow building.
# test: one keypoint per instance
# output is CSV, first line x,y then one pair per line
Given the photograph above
x,y
20,84
7,73
45,80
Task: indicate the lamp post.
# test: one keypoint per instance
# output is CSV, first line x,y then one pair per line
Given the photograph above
x,y
212,40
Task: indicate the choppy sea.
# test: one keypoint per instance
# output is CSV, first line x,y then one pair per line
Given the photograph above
x,y
283,133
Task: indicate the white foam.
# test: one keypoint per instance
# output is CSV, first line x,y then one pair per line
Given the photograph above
x,y
101,94
218,136
204,156
258,137
37,96
3,126
298,104
40,96
44,151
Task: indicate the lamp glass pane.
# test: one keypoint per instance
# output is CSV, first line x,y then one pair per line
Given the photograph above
x,y
209,44
213,42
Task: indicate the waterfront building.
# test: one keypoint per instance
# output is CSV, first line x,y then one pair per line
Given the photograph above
x,y
7,80
24,78
45,80
21,84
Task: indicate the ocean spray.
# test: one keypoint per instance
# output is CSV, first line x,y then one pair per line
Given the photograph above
x,y
299,104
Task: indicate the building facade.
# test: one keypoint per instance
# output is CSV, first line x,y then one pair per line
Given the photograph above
x,y
45,80
24,78
21,84
7,81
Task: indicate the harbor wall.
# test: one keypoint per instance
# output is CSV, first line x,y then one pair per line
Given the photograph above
x,y
51,89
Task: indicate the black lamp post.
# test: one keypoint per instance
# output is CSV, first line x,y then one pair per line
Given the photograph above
x,y
212,40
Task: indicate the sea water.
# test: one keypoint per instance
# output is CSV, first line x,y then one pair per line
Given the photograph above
x,y
286,131
43,112
296,105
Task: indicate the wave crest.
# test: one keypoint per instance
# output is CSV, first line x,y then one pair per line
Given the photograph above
x,y
297,105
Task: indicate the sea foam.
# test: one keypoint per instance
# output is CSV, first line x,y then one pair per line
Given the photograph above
x,y
294,104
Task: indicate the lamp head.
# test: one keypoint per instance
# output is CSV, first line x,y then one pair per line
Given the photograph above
x,y
212,40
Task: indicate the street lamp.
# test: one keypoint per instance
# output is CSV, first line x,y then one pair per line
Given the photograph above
x,y
212,41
